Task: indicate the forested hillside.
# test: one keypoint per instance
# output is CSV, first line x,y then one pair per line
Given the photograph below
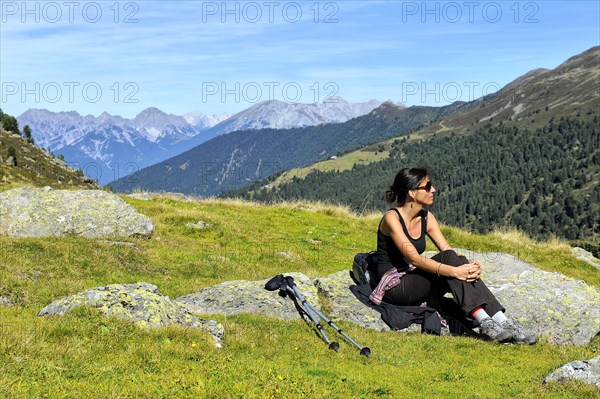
x,y
544,181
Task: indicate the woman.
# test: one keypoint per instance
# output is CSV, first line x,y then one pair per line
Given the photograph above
x,y
404,277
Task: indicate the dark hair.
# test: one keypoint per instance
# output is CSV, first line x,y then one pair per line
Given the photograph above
x,y
406,179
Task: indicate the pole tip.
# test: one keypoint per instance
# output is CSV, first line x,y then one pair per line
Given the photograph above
x,y
334,346
365,352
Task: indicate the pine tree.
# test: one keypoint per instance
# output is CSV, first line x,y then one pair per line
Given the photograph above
x,y
27,134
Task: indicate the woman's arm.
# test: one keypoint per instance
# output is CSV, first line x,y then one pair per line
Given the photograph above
x,y
435,233
468,272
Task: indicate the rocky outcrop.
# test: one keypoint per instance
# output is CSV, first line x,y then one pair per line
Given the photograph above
x,y
587,371
344,305
234,297
141,303
40,212
586,256
555,307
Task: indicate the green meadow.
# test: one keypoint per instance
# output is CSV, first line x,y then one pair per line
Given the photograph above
x,y
86,355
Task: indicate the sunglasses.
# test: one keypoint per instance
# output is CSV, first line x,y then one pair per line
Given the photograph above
x,y
426,187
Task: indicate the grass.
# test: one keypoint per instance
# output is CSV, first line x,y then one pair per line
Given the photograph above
x,y
340,163
87,355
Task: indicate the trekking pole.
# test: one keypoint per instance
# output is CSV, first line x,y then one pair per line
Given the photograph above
x,y
364,351
283,284
309,309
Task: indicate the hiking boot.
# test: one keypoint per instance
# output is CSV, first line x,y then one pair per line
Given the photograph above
x,y
493,331
517,333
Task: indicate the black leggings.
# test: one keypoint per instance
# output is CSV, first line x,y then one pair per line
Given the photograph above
x,y
420,286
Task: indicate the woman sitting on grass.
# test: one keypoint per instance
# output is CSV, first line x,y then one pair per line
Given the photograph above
x,y
405,278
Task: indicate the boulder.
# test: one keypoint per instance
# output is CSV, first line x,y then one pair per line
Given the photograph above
x,y
561,309
141,303
344,305
234,297
41,212
586,256
587,371
555,307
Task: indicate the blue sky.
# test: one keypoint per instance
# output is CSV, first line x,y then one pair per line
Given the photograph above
x,y
214,56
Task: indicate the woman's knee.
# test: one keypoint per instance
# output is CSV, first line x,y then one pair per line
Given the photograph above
x,y
450,257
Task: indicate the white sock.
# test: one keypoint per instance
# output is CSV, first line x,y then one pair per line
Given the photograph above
x,y
500,317
479,314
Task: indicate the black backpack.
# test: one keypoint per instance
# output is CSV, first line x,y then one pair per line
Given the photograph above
x,y
363,265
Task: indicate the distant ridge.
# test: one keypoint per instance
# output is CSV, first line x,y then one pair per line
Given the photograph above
x,y
108,147
241,157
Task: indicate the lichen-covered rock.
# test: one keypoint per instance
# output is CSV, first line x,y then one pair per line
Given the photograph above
x,y
587,371
41,212
558,308
555,307
234,297
344,304
141,303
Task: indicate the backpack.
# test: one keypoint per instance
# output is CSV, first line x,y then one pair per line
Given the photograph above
x,y
363,264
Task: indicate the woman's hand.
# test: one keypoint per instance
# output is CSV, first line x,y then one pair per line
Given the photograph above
x,y
469,272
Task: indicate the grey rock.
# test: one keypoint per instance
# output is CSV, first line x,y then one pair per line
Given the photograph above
x,y
555,307
234,297
198,225
586,256
141,303
11,161
587,371
344,305
561,309
41,212
5,301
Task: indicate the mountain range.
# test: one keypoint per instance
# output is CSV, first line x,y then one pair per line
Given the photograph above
x,y
238,158
108,147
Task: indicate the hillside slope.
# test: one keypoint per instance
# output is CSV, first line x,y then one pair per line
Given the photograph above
x,y
35,167
571,89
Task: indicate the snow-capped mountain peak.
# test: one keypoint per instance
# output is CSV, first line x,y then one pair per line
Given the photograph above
x,y
284,115
202,121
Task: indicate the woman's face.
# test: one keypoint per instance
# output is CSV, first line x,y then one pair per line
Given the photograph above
x,y
424,192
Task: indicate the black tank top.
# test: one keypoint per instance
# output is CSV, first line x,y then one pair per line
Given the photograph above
x,y
388,254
